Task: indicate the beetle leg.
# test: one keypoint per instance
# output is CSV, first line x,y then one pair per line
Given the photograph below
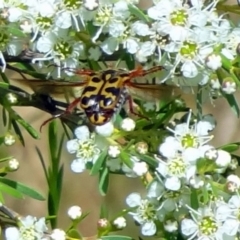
x,y
131,108
140,72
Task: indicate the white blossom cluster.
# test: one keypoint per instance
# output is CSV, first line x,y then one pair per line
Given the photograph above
x,y
187,37
178,174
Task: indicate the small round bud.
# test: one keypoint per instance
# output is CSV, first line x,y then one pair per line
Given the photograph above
x,y
233,164
9,139
11,98
58,234
105,130
91,5
74,212
215,84
214,61
229,86
223,159
128,124
13,164
26,26
113,151
140,168
171,226
120,223
103,224
233,183
141,147
211,154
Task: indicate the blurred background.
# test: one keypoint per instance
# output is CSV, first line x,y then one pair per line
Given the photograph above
x,y
81,189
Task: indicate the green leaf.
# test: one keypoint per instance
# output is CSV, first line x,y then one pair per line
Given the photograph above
x,y
52,138
232,147
4,77
98,164
104,181
74,234
18,131
233,103
130,61
151,161
16,32
10,190
116,237
138,13
126,159
22,189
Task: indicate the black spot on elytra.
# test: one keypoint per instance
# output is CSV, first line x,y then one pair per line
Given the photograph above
x,y
114,91
96,79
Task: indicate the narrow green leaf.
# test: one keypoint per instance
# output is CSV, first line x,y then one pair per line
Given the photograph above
x,y
21,188
233,103
18,131
130,61
2,140
10,190
126,159
104,181
42,162
151,161
52,138
103,211
4,77
4,116
32,131
116,237
194,199
232,147
98,164
138,13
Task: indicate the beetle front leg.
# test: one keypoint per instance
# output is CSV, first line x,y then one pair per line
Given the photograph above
x,y
131,108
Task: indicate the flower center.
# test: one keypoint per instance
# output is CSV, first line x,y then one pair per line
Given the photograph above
x,y
63,50
189,49
44,22
28,233
87,149
146,210
189,140
179,17
72,4
4,39
103,16
177,167
208,226
172,194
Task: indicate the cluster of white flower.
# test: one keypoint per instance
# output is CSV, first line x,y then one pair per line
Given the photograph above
x,y
185,36
188,163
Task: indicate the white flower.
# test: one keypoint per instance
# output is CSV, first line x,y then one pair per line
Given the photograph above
x,y
120,223
186,136
84,148
206,223
106,129
74,212
91,4
128,124
113,151
114,164
30,228
145,214
58,234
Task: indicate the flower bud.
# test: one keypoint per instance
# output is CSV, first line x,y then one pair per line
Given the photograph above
x,y
128,124
74,212
120,223
113,151
13,164
229,86
11,98
141,147
9,139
